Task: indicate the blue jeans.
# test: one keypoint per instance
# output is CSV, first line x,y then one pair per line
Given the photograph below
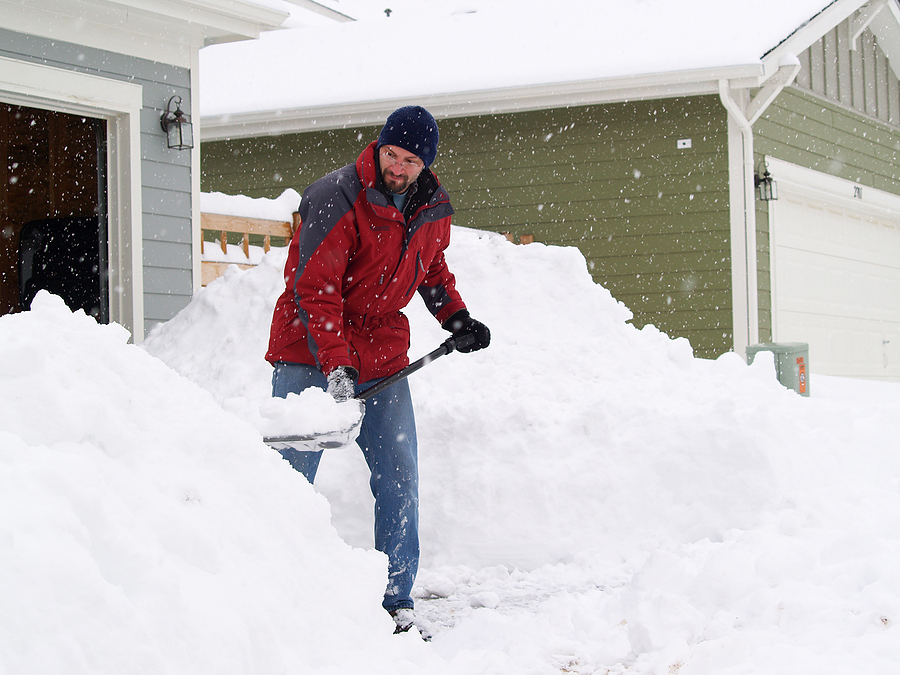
x,y
388,442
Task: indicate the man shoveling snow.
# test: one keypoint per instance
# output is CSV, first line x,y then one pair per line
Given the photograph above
x,y
372,233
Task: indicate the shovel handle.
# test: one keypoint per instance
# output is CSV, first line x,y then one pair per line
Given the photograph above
x,y
447,346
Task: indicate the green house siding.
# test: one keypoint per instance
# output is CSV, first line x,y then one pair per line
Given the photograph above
x,y
841,118
808,130
651,218
805,129
267,166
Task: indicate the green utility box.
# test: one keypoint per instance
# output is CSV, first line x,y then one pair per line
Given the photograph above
x,y
791,363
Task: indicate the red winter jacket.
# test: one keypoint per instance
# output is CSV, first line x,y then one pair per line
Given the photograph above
x,y
353,264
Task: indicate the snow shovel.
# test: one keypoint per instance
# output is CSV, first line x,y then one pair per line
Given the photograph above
x,y
342,437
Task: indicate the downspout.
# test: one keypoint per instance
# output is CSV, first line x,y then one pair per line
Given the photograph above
x,y
745,294
745,302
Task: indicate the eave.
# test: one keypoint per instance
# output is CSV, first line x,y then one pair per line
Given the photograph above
x,y
322,10
166,31
482,102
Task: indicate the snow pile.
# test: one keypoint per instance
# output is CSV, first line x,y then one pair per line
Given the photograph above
x,y
145,530
594,499
560,422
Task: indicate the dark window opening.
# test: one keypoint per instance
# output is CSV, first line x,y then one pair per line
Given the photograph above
x,y
53,213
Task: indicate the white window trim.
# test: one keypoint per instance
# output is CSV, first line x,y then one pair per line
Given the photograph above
x,y
119,103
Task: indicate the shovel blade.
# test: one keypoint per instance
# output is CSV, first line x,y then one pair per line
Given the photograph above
x,y
327,440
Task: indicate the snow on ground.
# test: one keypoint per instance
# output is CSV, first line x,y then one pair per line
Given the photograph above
x,y
594,499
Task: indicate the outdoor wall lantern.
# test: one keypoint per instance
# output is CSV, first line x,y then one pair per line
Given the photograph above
x,y
178,130
766,187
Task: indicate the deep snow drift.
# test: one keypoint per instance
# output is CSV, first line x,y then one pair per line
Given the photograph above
x,y
594,499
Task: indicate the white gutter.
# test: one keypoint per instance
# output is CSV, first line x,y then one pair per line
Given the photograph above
x,y
217,20
166,31
322,10
484,102
744,270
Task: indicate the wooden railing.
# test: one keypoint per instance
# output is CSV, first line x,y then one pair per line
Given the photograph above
x,y
523,238
222,226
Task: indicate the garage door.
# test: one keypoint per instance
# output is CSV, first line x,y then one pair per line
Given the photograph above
x,y
836,273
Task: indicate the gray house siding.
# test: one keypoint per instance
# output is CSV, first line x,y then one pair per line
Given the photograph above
x,y
166,174
651,218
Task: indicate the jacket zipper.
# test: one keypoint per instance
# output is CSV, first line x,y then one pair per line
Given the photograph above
x,y
415,281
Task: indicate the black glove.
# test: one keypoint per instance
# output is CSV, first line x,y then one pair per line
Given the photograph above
x,y
342,383
468,329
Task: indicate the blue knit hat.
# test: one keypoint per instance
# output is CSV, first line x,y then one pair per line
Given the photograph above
x,y
413,129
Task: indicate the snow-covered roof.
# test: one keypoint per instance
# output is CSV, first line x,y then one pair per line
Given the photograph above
x,y
496,55
167,31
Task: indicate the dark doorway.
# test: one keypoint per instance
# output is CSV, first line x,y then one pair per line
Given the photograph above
x,y
53,223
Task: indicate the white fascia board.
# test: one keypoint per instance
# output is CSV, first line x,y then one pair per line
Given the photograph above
x,y
216,18
886,28
810,32
318,8
165,31
112,29
484,102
